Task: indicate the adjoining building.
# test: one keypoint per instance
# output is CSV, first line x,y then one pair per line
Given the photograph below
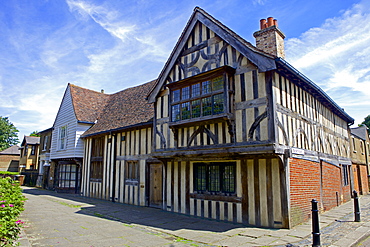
x,y
44,159
360,156
29,153
78,111
29,159
9,159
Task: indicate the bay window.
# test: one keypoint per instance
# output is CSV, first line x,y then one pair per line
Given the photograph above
x,y
200,97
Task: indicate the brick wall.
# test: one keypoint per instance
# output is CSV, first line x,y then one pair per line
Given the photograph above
x,y
364,180
360,179
306,184
331,186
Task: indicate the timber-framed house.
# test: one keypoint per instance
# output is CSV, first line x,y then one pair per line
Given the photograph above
x,y
229,131
118,147
242,135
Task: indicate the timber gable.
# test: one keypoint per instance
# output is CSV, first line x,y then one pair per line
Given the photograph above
x,y
206,48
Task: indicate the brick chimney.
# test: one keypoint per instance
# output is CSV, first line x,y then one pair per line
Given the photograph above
x,y
270,39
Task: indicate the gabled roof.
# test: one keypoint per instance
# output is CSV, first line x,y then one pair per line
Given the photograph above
x,y
283,67
31,140
87,104
263,61
45,131
13,150
125,109
360,132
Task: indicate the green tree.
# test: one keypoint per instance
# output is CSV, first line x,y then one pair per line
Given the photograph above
x,y
35,133
8,133
367,122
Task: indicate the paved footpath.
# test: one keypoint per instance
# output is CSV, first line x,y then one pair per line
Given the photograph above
x,y
54,219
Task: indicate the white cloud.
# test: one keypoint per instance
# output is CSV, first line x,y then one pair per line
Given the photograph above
x,y
107,19
335,56
259,2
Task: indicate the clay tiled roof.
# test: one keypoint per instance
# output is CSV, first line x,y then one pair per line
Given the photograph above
x,y
125,108
88,104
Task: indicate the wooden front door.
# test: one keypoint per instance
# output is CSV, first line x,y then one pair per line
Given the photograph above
x,y
155,185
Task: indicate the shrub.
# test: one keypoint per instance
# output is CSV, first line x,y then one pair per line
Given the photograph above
x,y
7,174
11,205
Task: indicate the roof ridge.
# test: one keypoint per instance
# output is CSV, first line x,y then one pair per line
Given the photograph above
x,y
246,42
123,109
73,85
140,85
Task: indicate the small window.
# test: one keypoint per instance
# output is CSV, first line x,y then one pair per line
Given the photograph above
x,y
62,137
345,175
132,171
176,95
354,143
45,144
25,150
97,157
185,93
214,177
96,171
195,90
33,150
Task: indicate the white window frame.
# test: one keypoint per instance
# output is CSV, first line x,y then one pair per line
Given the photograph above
x,y
62,137
46,139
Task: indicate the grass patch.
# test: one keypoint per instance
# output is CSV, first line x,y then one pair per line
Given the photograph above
x,y
182,240
128,225
99,215
68,204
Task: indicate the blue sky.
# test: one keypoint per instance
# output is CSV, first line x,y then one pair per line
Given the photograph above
x,y
115,44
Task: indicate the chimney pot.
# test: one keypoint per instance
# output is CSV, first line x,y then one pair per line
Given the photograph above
x,y
263,23
102,91
269,38
270,21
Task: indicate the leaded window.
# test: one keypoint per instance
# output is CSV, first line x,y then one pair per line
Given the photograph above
x,y
345,175
199,99
215,177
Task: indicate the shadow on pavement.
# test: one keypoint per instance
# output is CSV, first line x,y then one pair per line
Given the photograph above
x,y
129,214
